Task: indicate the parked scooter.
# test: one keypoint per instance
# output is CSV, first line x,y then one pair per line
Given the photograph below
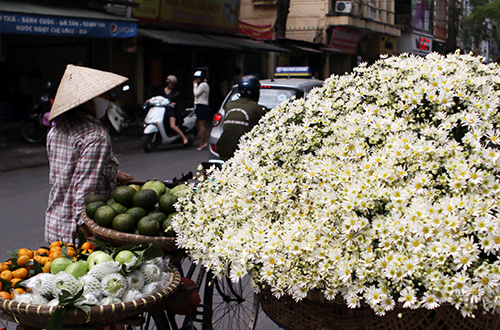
x,y
33,129
157,128
120,119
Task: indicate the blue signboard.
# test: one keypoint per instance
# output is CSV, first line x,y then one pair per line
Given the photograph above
x,y
65,26
297,71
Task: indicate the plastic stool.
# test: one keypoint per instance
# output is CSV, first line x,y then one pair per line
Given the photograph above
x,y
5,112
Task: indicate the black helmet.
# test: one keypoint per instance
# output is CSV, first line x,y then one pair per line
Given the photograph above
x,y
249,86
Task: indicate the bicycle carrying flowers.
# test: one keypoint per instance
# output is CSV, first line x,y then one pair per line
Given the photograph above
x,y
382,187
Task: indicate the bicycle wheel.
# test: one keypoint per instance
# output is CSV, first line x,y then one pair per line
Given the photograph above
x,y
230,305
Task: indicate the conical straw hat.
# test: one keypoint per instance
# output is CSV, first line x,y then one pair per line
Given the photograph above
x,y
79,85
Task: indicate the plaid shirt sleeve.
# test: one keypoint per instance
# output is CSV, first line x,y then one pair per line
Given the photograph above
x,y
95,170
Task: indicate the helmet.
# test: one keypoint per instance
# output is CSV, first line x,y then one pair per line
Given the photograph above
x,y
249,86
172,79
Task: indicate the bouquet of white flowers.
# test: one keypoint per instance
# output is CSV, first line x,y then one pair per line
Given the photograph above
x,y
383,187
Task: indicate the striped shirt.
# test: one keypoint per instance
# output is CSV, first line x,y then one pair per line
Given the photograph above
x,y
81,162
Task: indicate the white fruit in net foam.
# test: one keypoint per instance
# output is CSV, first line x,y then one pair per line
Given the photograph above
x,y
151,288
114,285
91,285
89,299
135,280
41,284
164,280
151,272
26,298
105,268
109,301
65,282
132,294
39,299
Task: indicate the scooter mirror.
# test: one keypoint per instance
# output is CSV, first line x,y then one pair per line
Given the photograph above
x,y
125,88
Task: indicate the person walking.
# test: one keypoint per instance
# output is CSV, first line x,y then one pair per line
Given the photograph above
x,y
241,116
201,92
81,159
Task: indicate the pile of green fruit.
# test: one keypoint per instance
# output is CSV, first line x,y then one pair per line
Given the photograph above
x,y
146,210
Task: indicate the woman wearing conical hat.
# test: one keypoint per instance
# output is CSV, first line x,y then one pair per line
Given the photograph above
x,y
81,159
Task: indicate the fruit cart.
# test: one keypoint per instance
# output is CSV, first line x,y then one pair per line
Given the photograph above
x,y
133,313
224,305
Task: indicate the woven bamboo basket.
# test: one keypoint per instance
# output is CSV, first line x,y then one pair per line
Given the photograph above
x,y
38,315
314,312
118,238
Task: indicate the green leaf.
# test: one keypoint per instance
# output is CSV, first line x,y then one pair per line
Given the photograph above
x,y
153,251
66,299
57,319
6,284
81,238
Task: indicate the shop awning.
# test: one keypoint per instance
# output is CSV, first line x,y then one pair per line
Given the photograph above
x,y
308,49
185,39
21,17
207,40
248,43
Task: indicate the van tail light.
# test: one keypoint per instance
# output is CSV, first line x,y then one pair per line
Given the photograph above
x,y
217,119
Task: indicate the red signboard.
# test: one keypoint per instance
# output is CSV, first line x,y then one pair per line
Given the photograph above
x,y
260,32
345,40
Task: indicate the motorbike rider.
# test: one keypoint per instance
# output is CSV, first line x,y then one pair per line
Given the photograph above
x,y
241,116
170,92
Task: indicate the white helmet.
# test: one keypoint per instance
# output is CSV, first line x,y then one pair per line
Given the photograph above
x,y
172,79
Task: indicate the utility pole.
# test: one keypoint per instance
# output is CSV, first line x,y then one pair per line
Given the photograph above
x,y
281,16
453,26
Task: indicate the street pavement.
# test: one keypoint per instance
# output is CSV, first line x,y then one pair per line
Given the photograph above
x,y
15,153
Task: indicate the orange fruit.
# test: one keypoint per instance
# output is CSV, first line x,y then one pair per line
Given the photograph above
x,y
6,275
41,259
14,281
25,252
46,267
38,259
88,251
23,259
18,290
55,248
20,273
5,295
56,243
71,252
55,254
3,266
1,286
88,246
42,251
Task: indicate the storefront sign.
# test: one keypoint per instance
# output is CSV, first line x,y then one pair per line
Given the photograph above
x,y
346,40
210,15
415,43
65,26
259,32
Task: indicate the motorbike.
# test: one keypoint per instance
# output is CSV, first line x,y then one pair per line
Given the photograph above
x,y
33,129
157,131
120,119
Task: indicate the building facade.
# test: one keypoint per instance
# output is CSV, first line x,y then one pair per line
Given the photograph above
x,y
329,36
